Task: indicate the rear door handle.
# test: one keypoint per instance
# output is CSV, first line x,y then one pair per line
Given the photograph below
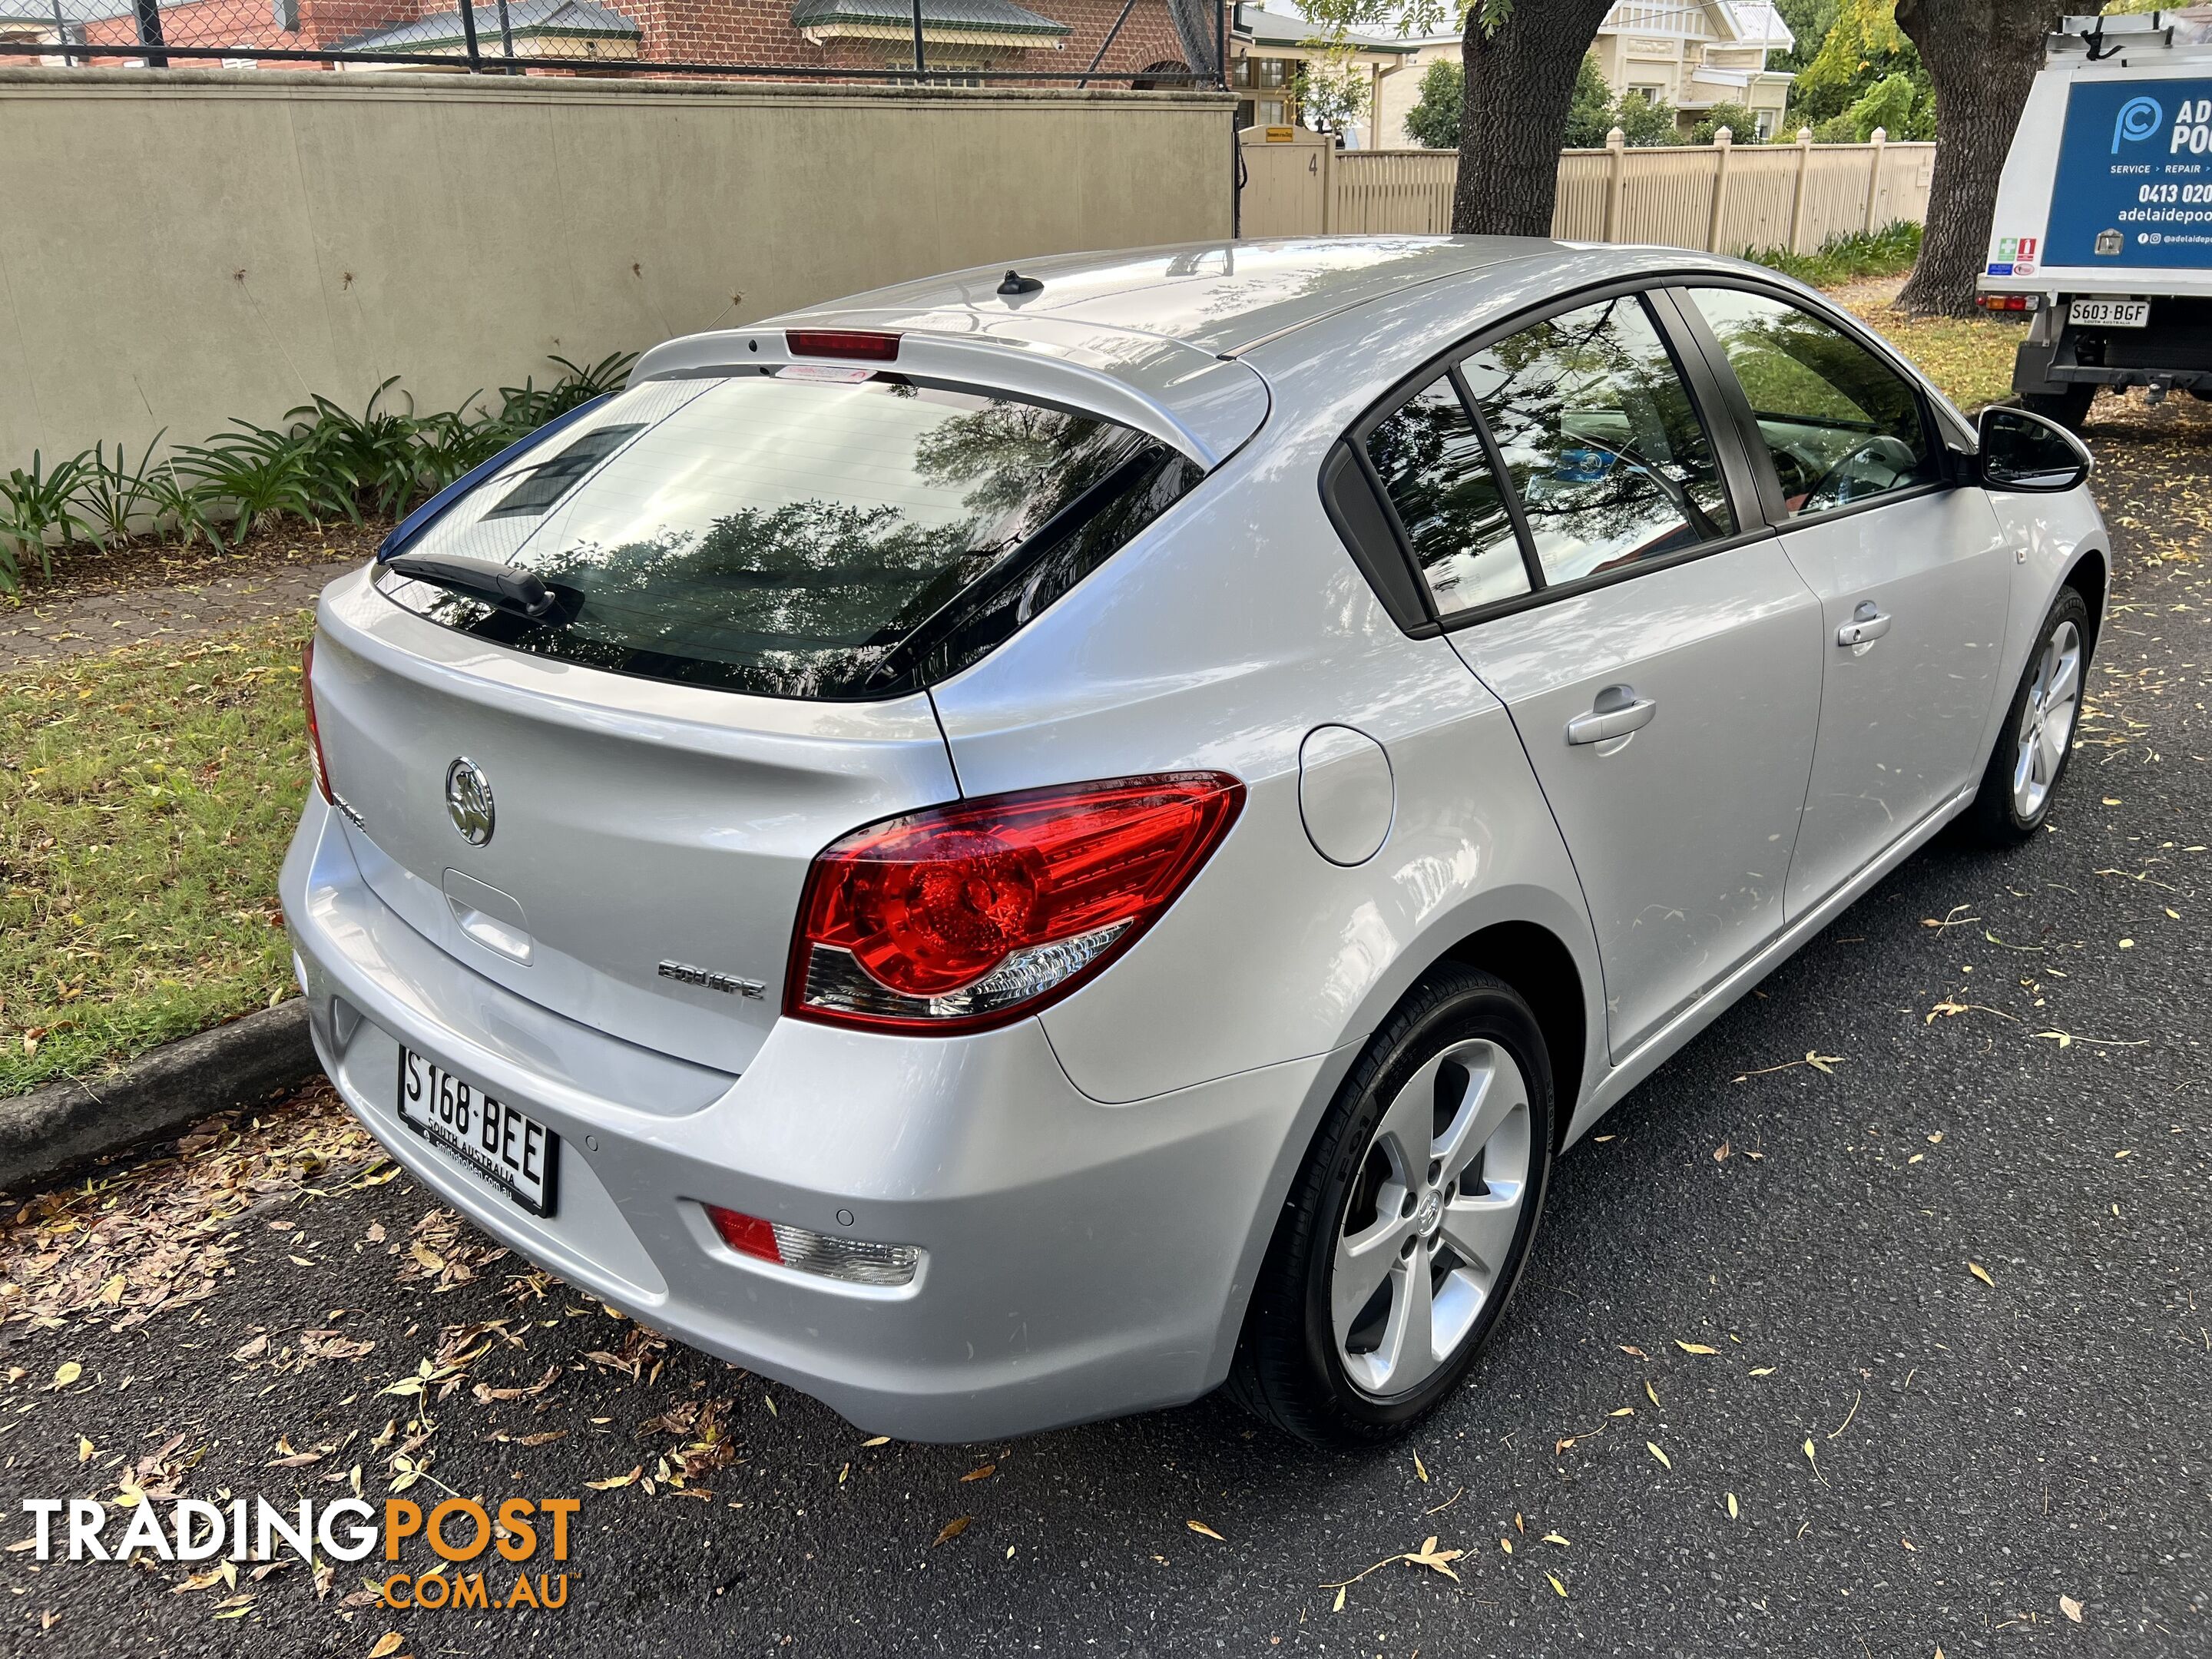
x,y
1617,712
1867,624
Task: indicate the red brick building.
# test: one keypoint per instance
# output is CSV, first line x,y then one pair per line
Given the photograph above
x,y
1114,39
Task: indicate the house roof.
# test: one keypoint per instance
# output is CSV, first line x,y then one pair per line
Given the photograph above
x,y
1270,26
1760,21
948,16
526,18
1736,23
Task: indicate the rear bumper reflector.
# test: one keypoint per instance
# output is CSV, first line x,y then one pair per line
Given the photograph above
x,y
856,1260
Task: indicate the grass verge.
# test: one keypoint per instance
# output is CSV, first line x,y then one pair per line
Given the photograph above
x,y
1969,357
145,800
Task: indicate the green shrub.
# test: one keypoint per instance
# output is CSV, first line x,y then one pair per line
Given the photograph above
x,y
1742,123
358,463
326,462
1889,251
257,471
34,505
113,498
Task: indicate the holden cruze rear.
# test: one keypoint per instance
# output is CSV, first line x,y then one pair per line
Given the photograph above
x,y
644,916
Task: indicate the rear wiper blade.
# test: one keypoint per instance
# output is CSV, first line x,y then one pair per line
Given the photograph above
x,y
502,585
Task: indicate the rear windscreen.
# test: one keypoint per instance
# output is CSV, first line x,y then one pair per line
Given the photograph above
x,y
804,532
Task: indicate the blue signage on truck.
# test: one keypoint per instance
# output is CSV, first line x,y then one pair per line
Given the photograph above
x,y
2133,187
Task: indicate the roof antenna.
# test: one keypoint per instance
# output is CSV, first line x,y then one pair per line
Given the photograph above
x,y
1016,284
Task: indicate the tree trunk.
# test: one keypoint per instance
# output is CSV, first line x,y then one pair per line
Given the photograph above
x,y
1982,55
1520,81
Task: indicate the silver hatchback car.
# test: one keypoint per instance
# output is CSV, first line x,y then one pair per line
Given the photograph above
x,y
1022,846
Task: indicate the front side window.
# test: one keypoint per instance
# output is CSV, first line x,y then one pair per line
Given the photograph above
x,y
1430,461
1601,439
1841,425
806,533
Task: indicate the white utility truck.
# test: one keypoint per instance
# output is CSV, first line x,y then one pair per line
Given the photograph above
x,y
2104,217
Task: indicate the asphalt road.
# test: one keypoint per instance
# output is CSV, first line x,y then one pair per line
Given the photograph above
x,y
2014,1075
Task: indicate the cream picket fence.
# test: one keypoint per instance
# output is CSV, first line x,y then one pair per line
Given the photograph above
x,y
1722,197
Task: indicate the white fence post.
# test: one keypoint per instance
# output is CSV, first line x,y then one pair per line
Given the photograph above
x,y
1874,176
1616,143
1798,198
1723,142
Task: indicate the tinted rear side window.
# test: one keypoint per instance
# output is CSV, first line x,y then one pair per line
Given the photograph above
x,y
805,534
1598,432
1431,461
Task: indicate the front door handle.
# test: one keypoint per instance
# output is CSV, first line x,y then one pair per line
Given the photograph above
x,y
1867,623
1617,712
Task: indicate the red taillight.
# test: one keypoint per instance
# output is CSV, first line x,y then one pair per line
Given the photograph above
x,y
2007,301
867,345
314,736
979,913
748,1235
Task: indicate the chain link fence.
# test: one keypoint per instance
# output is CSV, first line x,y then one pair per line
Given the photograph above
x,y
1135,43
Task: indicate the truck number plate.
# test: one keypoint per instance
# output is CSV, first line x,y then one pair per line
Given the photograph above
x,y
2109,314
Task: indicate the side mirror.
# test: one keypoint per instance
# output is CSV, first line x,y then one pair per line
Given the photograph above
x,y
2028,454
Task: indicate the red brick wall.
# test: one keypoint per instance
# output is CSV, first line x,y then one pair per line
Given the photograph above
x,y
682,31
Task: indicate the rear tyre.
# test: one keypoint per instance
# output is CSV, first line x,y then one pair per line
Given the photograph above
x,y
2037,739
2069,407
1407,1227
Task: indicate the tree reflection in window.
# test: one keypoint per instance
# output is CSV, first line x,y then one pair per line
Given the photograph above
x,y
909,499
1602,443
1841,426
1430,461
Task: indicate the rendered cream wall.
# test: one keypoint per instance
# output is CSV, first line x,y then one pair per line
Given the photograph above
x,y
182,246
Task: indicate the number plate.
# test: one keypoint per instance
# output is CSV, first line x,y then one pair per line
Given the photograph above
x,y
2109,314
513,1151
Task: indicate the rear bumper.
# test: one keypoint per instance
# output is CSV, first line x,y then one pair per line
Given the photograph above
x,y
1080,1260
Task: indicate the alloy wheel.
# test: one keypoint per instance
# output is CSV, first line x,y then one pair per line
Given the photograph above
x,y
1428,1231
2046,721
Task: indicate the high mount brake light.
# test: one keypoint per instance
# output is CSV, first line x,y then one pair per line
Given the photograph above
x,y
866,344
979,913
314,735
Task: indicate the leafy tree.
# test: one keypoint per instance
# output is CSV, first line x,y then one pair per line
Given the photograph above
x,y
1742,123
1520,59
1589,114
1434,120
1982,57
1332,91
1809,22
1898,105
1862,48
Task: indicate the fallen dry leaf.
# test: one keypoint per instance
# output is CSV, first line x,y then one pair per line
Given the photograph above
x,y
950,1530
1440,1560
1982,1273
390,1643
983,1474
1205,1531
2070,1607
1652,1447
